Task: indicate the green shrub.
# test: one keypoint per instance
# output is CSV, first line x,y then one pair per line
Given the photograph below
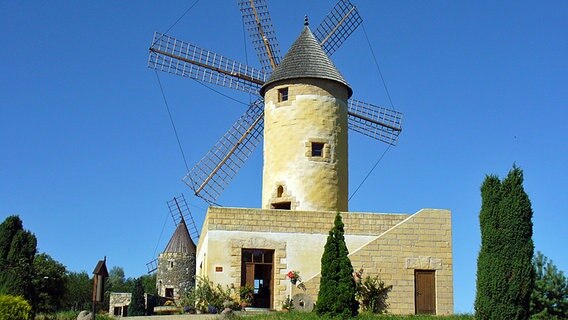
x,y
14,308
66,315
372,293
206,294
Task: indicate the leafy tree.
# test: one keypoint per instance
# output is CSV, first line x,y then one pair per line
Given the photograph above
x,y
549,299
137,307
79,290
116,282
49,283
336,297
149,282
505,275
17,252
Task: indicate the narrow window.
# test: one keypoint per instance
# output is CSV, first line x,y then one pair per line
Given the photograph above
x,y
279,191
171,264
317,149
282,94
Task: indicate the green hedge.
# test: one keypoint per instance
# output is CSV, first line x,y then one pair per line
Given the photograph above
x,y
14,308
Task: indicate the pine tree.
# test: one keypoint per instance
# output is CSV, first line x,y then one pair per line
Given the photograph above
x,y
137,305
505,274
336,297
549,299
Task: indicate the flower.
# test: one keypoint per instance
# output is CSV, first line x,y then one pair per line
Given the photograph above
x,y
293,275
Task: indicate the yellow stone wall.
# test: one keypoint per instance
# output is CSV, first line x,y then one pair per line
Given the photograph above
x,y
316,111
390,245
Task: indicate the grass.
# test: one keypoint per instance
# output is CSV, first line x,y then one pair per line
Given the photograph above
x,y
313,316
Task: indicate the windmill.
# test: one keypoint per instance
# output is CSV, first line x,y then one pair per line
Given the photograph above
x,y
184,222
211,175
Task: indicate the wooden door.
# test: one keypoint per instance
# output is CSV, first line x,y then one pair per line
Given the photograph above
x,y
425,291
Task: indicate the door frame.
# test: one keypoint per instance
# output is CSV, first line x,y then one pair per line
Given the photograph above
x,y
245,264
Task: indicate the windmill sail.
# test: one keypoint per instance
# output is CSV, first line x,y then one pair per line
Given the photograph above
x,y
376,122
180,211
184,59
261,31
217,168
337,26
152,265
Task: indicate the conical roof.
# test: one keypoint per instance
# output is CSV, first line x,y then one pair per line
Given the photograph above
x,y
305,59
181,240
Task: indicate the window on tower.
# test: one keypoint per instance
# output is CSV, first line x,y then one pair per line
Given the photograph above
x,y
283,94
286,205
317,149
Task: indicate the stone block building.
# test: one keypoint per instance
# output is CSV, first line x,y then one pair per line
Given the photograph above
x,y
412,252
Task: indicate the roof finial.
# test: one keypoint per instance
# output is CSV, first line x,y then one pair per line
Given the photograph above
x,y
306,22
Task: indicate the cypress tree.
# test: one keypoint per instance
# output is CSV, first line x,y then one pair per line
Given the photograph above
x,y
336,297
137,306
505,274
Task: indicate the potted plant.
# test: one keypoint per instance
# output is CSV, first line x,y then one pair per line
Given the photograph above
x,y
246,296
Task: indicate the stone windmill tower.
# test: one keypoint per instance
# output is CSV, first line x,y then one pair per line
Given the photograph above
x,y
305,135
304,107
176,264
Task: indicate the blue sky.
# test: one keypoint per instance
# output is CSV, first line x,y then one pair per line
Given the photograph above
x,y
89,157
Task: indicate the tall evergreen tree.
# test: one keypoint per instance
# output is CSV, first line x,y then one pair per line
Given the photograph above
x,y
336,297
137,305
17,252
505,274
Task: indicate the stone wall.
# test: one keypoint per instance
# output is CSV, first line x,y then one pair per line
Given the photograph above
x,y
311,222
421,242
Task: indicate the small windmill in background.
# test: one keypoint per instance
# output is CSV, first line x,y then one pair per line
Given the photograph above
x,y
180,212
211,175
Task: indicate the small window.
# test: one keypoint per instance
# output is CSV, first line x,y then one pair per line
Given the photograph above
x,y
283,94
171,264
282,205
169,292
279,191
317,149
